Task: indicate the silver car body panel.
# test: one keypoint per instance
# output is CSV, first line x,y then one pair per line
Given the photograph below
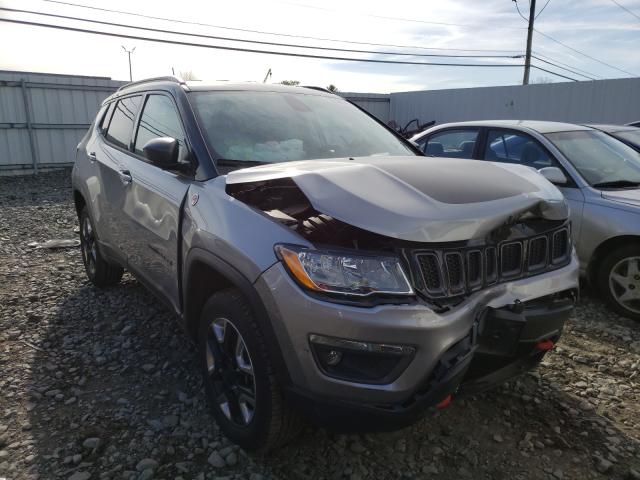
x,y
596,215
434,204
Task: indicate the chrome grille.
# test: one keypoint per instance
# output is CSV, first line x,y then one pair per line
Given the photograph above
x,y
560,250
491,265
450,272
537,253
430,268
455,271
474,269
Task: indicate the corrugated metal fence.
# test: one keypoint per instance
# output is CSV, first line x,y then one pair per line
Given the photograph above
x,y
602,101
376,104
43,116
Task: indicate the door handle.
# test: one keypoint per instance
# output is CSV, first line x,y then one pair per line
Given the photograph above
x,y
92,156
125,176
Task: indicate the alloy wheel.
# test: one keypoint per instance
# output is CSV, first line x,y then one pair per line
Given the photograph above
x,y
230,371
88,242
624,283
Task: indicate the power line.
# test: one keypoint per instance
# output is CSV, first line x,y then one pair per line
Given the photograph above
x,y
542,9
401,19
626,9
562,68
323,39
583,54
567,65
553,73
250,50
260,42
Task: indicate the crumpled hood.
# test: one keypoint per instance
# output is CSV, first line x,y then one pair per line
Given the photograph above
x,y
421,199
630,197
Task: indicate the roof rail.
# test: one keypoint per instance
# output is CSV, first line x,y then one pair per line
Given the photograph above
x,y
319,89
168,78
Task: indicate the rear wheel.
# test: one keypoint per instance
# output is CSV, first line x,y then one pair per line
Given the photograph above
x,y
619,280
100,271
239,380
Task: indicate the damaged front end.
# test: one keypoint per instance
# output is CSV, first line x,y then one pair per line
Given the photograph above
x,y
448,248
453,237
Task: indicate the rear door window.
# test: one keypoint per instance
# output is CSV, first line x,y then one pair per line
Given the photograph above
x,y
121,125
160,119
518,148
452,143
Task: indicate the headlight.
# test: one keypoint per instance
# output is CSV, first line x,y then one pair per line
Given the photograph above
x,y
345,273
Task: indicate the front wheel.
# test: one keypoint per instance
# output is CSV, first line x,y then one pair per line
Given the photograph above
x,y
239,380
619,280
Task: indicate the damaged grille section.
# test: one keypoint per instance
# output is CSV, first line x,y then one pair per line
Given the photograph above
x,y
450,273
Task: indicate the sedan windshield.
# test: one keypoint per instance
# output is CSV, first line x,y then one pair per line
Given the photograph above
x,y
602,160
249,127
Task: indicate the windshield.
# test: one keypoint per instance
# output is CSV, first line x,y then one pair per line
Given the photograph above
x,y
631,136
599,158
269,127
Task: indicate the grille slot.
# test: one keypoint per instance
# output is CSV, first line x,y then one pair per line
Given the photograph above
x,y
455,271
448,272
537,253
431,273
491,265
560,249
474,269
511,259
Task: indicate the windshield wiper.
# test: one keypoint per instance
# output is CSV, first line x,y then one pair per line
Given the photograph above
x,y
617,184
227,162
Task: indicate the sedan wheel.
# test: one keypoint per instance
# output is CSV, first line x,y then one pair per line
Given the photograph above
x,y
624,283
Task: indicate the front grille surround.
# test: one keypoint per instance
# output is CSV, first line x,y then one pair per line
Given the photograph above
x,y
454,272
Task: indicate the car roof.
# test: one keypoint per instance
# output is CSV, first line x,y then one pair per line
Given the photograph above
x,y
539,126
614,128
172,83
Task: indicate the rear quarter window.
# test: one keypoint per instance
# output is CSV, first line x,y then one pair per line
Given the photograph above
x,y
120,127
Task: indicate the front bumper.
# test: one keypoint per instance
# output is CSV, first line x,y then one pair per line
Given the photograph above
x,y
295,316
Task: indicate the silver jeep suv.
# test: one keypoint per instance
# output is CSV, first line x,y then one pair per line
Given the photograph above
x,y
323,266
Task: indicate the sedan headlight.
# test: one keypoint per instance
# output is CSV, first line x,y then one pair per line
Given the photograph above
x,y
345,273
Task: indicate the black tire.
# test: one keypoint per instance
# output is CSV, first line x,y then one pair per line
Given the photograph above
x,y
100,271
612,288
272,423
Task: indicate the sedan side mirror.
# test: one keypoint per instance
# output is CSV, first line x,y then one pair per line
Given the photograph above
x,y
162,152
554,175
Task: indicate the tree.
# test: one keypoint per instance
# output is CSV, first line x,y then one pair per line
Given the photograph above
x,y
188,75
333,88
291,83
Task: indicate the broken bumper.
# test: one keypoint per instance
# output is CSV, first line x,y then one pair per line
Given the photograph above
x,y
488,338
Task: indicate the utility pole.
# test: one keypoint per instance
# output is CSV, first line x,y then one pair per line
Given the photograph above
x,y
527,60
267,76
129,52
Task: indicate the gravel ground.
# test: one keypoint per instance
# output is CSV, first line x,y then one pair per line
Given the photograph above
x,y
103,384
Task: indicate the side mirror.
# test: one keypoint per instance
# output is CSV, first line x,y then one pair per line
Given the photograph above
x,y
162,152
554,175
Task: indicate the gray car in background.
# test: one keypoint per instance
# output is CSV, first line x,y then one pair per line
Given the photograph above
x,y
598,174
321,264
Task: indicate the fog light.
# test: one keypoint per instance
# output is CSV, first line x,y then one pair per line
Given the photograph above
x,y
359,361
332,358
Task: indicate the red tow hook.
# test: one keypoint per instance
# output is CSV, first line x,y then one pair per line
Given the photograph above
x,y
545,345
444,403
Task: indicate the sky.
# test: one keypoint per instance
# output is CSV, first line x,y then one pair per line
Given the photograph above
x,y
597,28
